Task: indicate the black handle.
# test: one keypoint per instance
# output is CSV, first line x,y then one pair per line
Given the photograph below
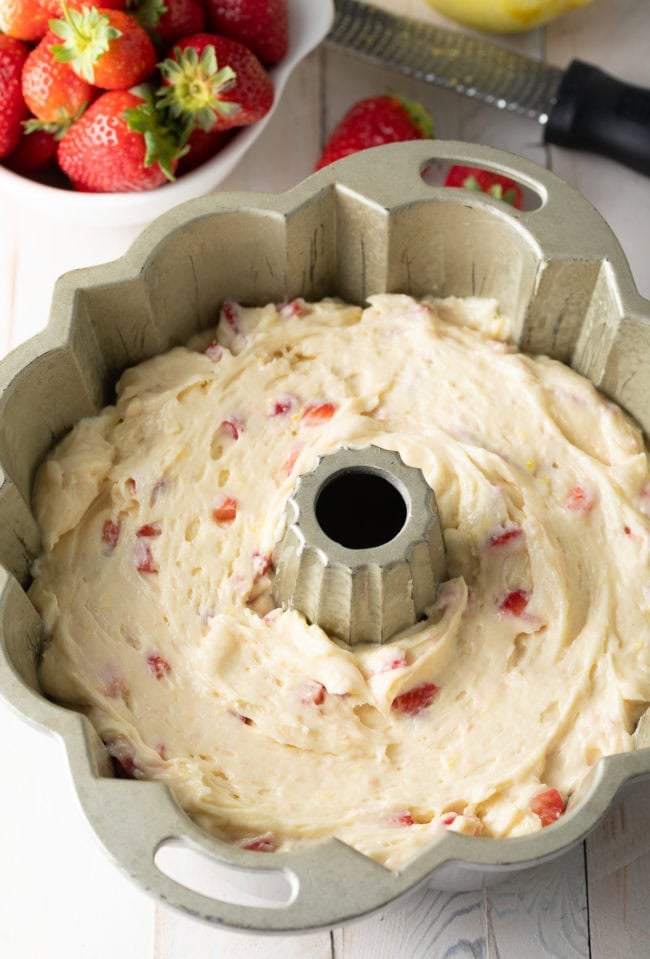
x,y
599,113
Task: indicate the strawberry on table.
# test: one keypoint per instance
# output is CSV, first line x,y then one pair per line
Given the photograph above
x,y
215,84
373,122
52,90
23,19
13,109
108,48
119,145
484,181
261,25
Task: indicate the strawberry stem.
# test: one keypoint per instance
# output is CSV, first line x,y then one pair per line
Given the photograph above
x,y
195,86
86,36
165,138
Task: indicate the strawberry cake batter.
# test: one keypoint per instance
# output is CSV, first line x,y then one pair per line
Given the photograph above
x,y
159,517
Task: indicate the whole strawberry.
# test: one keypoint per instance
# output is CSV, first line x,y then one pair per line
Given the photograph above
x,y
107,48
13,109
261,25
169,20
215,83
52,90
373,122
55,8
202,146
119,145
23,19
35,151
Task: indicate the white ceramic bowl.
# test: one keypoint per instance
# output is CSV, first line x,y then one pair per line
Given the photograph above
x,y
309,22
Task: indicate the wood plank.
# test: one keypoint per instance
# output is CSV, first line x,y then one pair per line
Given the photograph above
x,y
618,867
539,915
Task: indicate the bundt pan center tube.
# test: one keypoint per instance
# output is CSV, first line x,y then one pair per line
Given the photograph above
x,y
366,225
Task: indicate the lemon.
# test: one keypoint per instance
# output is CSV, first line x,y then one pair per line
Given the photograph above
x,y
505,16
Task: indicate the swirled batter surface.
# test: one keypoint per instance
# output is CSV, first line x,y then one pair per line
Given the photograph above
x,y
159,517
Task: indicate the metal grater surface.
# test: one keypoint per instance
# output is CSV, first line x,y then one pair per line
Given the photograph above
x,y
475,68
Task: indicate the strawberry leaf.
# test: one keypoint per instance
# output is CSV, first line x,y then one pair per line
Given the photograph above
x,y
195,86
148,13
86,36
165,139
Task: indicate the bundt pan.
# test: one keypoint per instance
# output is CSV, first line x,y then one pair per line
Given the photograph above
x,y
367,224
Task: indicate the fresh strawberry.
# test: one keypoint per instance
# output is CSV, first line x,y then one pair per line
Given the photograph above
x,y
413,701
35,151
261,25
226,512
316,414
169,20
158,665
374,121
55,8
108,48
548,805
118,145
215,84
13,109
52,90
23,19
202,146
261,564
484,181
515,602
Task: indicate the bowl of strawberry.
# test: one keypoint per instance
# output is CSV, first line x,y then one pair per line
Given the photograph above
x,y
120,109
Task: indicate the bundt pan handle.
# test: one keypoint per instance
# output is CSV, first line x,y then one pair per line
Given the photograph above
x,y
364,225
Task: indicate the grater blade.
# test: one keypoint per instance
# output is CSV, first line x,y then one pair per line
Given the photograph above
x,y
475,68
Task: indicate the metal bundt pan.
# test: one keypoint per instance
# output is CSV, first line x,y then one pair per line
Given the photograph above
x,y
366,225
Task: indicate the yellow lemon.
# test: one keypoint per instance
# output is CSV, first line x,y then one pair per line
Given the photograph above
x,y
505,16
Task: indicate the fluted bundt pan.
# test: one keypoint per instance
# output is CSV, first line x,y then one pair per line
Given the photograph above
x,y
366,225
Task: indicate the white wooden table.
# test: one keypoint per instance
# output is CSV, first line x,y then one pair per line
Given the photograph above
x,y
59,894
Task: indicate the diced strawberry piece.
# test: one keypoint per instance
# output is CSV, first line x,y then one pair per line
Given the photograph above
x,y
261,564
402,818
579,500
627,530
149,529
233,426
313,694
507,536
227,512
246,720
316,414
515,602
214,351
161,749
230,313
110,534
290,462
398,662
294,308
548,805
144,560
413,701
123,768
448,819
283,405
158,665
263,843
